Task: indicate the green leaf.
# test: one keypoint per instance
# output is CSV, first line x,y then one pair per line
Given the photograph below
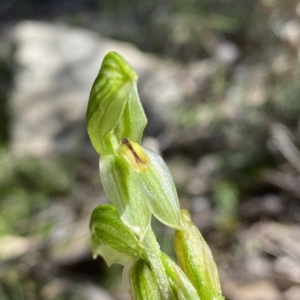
x,y
196,260
178,281
140,281
114,110
111,238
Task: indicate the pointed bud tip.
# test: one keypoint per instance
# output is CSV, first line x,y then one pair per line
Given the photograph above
x,y
115,59
186,216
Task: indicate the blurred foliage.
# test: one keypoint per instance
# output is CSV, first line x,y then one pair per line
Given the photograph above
x,y
226,199
286,99
6,74
25,187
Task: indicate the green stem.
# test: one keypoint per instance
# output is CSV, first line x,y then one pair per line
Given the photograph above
x,y
153,253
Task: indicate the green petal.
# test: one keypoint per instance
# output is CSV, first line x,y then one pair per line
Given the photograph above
x,y
117,179
133,121
111,238
151,179
159,188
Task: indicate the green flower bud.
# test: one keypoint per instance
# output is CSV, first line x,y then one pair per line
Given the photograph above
x,y
196,260
114,109
180,284
111,238
151,179
140,282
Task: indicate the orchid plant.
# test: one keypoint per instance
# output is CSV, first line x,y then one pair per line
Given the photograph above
x,y
139,185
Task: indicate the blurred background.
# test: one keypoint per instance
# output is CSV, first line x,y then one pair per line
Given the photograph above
x,y
220,83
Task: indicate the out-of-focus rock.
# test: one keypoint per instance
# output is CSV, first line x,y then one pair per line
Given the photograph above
x,y
287,270
56,66
14,246
258,266
281,64
197,74
226,53
291,32
152,143
201,211
293,293
196,185
235,94
259,290
93,292
270,250
208,165
200,204
257,92
255,208
84,290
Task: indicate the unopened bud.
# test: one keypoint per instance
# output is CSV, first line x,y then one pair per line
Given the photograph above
x,y
196,260
140,281
180,284
114,108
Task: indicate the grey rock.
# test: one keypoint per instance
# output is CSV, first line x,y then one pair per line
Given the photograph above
x,y
293,293
259,290
56,69
226,53
290,32
287,270
93,292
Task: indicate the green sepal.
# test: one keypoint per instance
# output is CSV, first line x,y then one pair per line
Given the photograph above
x,y
158,186
111,238
178,281
118,182
153,182
140,281
196,260
114,108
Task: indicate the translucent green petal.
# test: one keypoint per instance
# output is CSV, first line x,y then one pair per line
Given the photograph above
x,y
151,179
133,121
159,188
117,179
111,238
